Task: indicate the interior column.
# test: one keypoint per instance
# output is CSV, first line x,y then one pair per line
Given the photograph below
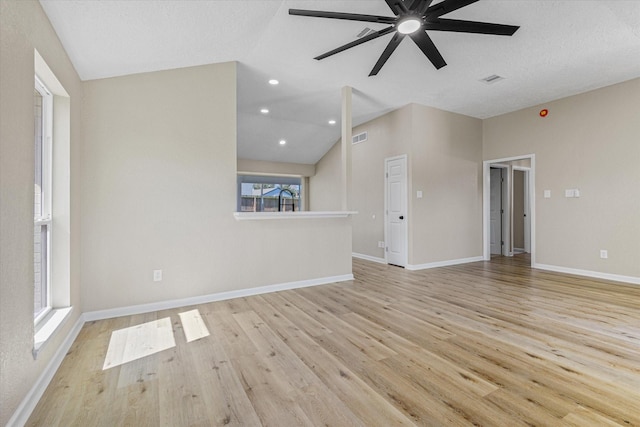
x,y
345,150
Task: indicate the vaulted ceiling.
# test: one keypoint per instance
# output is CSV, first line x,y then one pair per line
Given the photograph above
x,y
562,48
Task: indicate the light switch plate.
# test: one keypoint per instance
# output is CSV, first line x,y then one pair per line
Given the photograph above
x,y
568,193
547,194
419,194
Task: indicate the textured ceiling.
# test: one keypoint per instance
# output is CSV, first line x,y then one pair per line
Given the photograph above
x,y
563,48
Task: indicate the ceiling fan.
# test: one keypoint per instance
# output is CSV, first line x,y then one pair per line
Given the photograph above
x,y
413,18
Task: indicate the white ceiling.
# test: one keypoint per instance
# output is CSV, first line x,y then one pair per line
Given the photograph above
x,y
563,47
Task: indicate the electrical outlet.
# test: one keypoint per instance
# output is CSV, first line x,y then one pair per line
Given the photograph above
x,y
604,254
157,275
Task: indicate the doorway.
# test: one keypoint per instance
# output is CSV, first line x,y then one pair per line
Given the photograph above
x,y
496,210
395,200
521,215
509,196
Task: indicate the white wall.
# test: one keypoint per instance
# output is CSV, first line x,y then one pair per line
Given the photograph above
x,y
588,142
23,28
159,190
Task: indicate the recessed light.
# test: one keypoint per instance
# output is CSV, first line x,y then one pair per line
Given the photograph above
x,y
332,122
409,25
282,142
273,82
264,111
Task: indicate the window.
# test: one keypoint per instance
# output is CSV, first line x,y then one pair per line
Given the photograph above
x,y
268,194
43,105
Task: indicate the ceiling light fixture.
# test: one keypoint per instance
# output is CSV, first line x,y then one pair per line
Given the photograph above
x,y
273,82
282,142
332,122
264,111
409,25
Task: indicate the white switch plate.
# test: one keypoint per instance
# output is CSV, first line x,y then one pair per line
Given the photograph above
x,y
576,192
419,194
381,244
547,194
568,193
157,275
604,254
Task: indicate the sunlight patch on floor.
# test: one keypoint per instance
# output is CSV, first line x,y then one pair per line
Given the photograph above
x,y
193,325
139,341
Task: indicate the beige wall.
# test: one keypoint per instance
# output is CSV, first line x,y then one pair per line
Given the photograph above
x,y
23,28
324,187
447,167
444,153
159,190
275,168
387,136
588,142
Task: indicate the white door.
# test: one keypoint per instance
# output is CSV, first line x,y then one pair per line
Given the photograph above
x,y
495,213
396,210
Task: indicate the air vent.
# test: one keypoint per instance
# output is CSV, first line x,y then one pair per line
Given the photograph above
x,y
492,79
357,139
365,32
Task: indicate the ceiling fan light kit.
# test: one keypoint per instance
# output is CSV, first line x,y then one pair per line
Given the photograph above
x,y
413,18
409,25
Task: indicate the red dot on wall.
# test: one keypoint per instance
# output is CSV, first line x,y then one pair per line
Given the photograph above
x,y
544,113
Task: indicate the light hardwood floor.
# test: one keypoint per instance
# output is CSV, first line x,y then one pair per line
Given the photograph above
x,y
489,343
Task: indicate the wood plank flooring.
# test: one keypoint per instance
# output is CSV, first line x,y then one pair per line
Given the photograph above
x,y
488,343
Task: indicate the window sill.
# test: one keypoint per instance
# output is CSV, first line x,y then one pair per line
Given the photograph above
x,y
48,326
243,216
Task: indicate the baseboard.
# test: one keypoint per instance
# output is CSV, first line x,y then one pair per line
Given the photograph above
x,y
203,299
28,404
369,258
595,274
443,263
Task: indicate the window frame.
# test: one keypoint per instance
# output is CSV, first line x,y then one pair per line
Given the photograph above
x,y
45,218
275,180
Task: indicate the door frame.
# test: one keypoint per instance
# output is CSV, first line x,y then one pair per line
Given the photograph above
x,y
405,207
486,225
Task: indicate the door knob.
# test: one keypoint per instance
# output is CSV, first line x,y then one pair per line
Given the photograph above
x,y
401,217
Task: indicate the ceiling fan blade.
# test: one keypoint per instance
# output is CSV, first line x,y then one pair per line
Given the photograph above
x,y
447,6
471,27
340,15
393,44
357,42
427,47
420,6
397,6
